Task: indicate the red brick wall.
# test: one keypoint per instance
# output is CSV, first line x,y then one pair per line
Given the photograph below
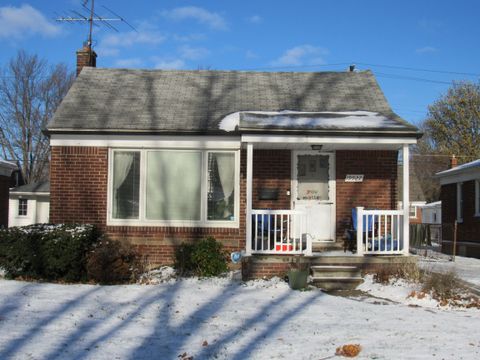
x,y
78,185
469,229
4,191
79,194
272,170
378,189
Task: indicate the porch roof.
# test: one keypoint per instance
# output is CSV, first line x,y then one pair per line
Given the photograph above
x,y
199,102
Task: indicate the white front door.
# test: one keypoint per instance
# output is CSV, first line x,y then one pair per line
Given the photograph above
x,y
313,192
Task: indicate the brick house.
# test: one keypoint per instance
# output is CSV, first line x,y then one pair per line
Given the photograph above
x,y
460,196
269,163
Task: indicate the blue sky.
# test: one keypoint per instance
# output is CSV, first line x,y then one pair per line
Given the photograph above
x,y
269,35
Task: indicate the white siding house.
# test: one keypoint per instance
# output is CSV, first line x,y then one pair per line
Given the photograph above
x,y
29,204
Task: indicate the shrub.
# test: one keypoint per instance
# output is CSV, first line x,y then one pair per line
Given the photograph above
x,y
204,258
113,262
408,271
443,286
43,251
183,259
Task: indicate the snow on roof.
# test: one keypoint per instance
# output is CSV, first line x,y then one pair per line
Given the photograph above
x,y
432,204
460,168
9,164
295,120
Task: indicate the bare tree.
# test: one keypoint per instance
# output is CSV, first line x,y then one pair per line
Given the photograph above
x,y
30,92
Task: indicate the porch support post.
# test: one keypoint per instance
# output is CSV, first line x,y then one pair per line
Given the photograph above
x,y
248,210
360,245
406,200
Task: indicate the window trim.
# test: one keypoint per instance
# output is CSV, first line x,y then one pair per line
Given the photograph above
x,y
18,208
460,202
477,198
143,221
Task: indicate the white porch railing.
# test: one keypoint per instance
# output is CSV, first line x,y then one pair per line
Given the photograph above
x,y
380,232
280,232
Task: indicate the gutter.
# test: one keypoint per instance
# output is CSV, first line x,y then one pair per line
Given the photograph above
x,y
251,131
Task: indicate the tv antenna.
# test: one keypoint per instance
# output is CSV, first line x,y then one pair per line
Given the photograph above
x,y
88,15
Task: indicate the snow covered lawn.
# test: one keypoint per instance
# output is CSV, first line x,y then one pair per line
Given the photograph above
x,y
221,319
468,269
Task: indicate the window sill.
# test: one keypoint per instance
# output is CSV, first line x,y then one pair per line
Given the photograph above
x,y
174,224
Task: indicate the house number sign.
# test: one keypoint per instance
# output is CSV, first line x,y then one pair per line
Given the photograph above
x,y
354,178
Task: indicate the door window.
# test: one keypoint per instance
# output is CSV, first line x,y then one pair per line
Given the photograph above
x,y
312,176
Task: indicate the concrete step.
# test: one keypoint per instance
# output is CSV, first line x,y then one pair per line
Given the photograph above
x,y
327,246
336,277
336,271
336,283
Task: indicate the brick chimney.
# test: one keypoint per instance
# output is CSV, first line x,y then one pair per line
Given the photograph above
x,y
86,57
453,162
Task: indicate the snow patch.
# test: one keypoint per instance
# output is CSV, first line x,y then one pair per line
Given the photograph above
x,y
307,120
158,276
398,290
230,122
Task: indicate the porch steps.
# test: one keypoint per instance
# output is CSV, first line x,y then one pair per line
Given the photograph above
x,y
336,277
322,247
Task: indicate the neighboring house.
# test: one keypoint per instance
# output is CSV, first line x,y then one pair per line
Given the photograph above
x,y
8,171
29,204
432,213
415,211
417,195
432,216
266,162
460,196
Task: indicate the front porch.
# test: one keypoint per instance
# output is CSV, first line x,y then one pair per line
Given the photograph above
x,y
363,210
284,232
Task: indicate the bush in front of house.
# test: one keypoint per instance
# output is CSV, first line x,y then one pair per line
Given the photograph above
x,y
408,271
443,286
204,258
114,262
47,252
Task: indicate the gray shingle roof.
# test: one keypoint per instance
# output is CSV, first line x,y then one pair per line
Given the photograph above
x,y
115,100
42,186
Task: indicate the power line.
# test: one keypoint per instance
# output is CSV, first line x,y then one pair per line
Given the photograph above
x,y
292,67
420,69
401,77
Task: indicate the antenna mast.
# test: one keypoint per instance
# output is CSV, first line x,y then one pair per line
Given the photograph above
x,y
90,20
88,15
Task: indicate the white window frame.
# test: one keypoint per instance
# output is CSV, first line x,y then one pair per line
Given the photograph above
x,y
477,198
203,222
460,202
18,208
414,216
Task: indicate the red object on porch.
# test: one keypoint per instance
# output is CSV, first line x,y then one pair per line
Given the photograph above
x,y
284,247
